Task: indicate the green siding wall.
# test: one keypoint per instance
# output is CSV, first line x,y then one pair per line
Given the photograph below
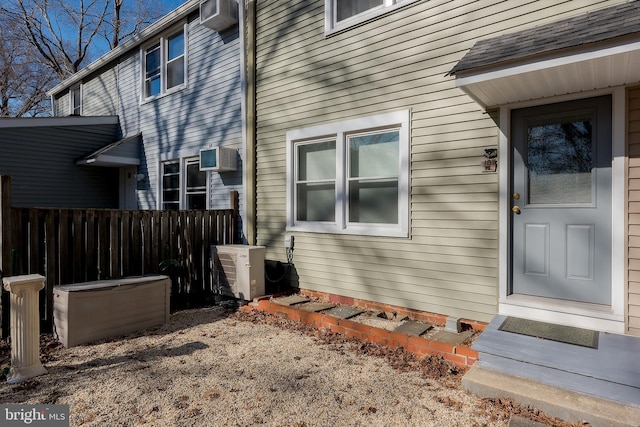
x,y
449,264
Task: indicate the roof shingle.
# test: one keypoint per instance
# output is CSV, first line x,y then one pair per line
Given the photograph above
x,y
593,27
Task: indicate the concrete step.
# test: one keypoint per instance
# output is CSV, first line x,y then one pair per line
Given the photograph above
x,y
555,401
610,371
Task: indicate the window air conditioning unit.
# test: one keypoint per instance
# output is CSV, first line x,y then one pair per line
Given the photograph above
x,y
218,159
238,270
218,14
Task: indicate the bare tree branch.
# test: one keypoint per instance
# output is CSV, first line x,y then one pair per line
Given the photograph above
x,y
23,77
60,37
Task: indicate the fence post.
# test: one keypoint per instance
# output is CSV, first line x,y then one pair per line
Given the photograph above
x,y
5,248
235,206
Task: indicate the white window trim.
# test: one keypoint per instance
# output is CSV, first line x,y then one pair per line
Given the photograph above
x,y
163,40
182,191
330,14
339,131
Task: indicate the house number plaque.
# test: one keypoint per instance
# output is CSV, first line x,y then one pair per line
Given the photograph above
x,y
489,165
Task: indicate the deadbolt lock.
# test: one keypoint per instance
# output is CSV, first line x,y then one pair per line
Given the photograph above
x,y
516,196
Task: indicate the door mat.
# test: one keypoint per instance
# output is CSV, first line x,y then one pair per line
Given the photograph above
x,y
549,331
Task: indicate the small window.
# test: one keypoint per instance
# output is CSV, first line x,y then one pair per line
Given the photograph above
x,y
373,177
184,185
171,186
196,186
175,60
75,101
340,14
346,9
316,181
152,71
350,177
164,65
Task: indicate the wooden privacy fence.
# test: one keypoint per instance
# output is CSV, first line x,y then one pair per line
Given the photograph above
x,y
79,245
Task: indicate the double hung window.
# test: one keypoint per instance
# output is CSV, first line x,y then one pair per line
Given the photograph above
x,y
153,62
171,186
184,185
350,177
75,100
195,185
164,65
341,14
346,9
175,60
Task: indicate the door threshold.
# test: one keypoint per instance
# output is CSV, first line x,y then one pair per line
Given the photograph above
x,y
582,315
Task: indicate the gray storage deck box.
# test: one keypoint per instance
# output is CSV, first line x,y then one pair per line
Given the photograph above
x,y
90,311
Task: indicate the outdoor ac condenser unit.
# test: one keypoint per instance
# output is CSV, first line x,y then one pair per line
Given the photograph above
x,y
239,270
218,14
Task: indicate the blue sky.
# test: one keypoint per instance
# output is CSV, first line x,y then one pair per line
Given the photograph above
x,y
100,47
172,4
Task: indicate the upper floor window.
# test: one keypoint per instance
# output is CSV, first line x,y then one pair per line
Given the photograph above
x,y
346,9
164,64
75,100
350,177
152,71
175,60
341,14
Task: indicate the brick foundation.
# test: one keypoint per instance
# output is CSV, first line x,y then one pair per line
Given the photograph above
x,y
421,316
459,355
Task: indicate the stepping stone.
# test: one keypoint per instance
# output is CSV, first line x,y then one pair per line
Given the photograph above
x,y
291,300
315,307
344,312
414,328
452,337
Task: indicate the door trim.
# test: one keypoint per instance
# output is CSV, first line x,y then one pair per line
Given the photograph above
x,y
590,316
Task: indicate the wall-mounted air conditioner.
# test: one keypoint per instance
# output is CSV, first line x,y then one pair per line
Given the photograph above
x,y
238,270
218,159
218,14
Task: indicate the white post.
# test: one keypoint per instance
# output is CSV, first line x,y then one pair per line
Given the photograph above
x,y
25,326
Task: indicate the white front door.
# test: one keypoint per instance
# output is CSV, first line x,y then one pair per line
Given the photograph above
x,y
561,201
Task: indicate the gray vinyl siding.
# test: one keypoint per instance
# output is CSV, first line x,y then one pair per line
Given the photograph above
x,y
99,95
41,162
176,126
449,264
61,105
206,112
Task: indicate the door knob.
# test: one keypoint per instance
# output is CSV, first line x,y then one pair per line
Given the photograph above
x,y
516,210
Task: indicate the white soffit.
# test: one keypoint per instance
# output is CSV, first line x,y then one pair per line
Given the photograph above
x,y
597,69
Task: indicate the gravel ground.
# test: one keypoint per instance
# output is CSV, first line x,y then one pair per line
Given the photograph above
x,y
211,367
